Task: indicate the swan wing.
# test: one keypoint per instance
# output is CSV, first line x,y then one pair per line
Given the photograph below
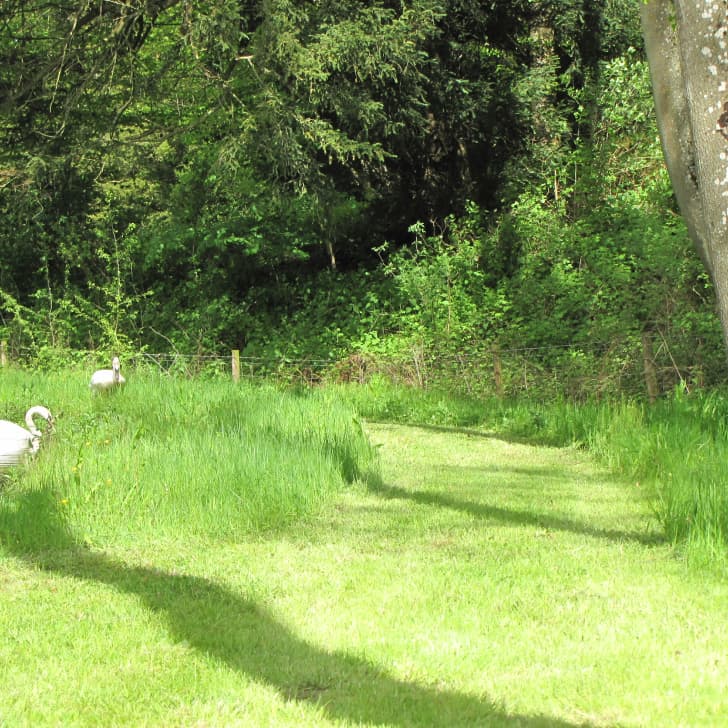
x,y
105,379
102,378
15,443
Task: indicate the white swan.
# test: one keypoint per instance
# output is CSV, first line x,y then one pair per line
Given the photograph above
x,y
16,443
104,380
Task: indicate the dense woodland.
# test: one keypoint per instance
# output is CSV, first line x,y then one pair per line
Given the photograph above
x,y
405,185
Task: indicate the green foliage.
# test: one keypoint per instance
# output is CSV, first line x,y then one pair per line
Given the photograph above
x,y
432,185
323,318
442,285
464,193
676,451
572,273
382,401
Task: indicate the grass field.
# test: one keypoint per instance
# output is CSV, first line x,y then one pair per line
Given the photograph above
x,y
457,579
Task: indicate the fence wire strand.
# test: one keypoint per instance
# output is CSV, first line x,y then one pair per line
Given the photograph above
x,y
575,371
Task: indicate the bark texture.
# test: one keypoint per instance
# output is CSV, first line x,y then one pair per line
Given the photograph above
x,y
687,49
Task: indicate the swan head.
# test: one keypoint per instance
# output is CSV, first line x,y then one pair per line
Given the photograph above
x,y
116,368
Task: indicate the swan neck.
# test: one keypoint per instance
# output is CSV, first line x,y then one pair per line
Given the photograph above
x,y
33,429
29,415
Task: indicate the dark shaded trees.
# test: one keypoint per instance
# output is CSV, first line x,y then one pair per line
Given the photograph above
x,y
194,168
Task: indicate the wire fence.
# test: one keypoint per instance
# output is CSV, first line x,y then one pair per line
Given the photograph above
x,y
646,367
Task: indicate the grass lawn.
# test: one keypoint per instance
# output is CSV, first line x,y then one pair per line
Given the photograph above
x,y
481,582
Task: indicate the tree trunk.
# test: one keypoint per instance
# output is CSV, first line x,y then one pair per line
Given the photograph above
x,y
687,49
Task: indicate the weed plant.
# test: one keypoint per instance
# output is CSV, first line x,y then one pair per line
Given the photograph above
x,y
167,457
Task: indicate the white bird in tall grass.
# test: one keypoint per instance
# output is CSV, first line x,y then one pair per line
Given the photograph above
x,y
16,443
104,380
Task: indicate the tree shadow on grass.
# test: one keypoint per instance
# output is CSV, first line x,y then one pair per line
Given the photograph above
x,y
513,516
241,634
476,432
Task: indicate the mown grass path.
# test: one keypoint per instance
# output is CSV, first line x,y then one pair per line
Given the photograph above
x,y
481,582
556,592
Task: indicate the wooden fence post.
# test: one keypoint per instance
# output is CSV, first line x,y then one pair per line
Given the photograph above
x,y
648,361
3,353
236,365
497,372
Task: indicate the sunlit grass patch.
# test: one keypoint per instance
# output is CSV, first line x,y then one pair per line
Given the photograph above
x,y
673,451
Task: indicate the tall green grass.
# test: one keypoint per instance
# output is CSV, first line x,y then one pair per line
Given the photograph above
x,y
675,450
678,449
167,457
